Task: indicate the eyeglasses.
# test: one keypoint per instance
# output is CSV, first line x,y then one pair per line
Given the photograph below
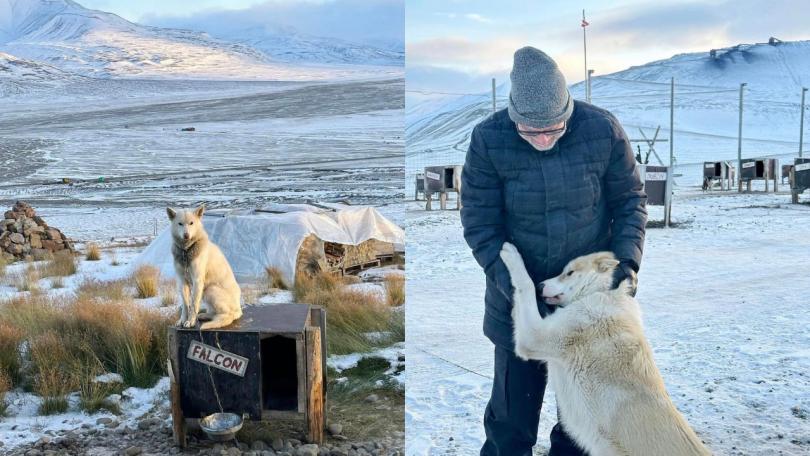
x,y
551,133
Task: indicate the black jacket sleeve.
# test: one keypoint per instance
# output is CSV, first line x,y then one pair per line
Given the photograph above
x,y
483,214
626,201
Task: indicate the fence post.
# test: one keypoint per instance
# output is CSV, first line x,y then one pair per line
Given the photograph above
x,y
801,123
494,106
671,170
739,141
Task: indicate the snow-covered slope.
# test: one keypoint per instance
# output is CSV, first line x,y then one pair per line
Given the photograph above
x,y
20,76
288,45
18,69
706,106
66,35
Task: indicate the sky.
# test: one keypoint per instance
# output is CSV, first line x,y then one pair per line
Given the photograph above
x,y
460,45
363,21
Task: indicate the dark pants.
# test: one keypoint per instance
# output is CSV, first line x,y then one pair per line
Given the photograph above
x,y
513,411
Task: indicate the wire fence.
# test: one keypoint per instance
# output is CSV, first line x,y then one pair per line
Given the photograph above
x,y
706,119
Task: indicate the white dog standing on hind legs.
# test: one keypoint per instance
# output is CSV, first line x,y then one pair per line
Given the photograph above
x,y
611,395
203,273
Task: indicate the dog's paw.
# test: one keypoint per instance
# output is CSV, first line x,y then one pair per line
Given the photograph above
x,y
189,324
509,248
510,256
180,322
522,352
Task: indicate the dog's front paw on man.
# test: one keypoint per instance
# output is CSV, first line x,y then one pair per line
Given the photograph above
x,y
510,256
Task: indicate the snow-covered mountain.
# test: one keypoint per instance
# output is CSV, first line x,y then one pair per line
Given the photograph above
x,y
286,44
706,106
64,34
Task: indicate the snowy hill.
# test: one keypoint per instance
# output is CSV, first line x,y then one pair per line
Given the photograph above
x,y
20,76
286,44
18,69
63,34
706,106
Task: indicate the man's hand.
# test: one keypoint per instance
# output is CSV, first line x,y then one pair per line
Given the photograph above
x,y
625,271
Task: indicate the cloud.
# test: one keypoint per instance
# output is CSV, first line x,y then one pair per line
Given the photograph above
x,y
463,54
477,18
366,21
431,78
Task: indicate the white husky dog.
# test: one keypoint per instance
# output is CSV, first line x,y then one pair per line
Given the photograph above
x,y
203,273
610,394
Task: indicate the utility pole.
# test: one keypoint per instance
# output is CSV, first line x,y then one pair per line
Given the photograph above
x,y
801,123
585,53
494,106
671,170
739,142
588,88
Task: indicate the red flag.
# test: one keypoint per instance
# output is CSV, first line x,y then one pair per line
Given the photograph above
x,y
585,23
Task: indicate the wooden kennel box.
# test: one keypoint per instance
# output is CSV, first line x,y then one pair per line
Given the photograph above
x,y
269,364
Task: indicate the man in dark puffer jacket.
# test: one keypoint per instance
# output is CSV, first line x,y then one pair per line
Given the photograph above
x,y
557,178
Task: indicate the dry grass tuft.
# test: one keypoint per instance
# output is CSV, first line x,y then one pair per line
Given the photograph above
x,y
3,264
395,289
168,293
114,259
93,252
27,280
63,264
147,281
316,288
33,314
5,387
124,337
10,359
112,290
92,394
351,279
57,282
351,314
54,379
275,278
102,335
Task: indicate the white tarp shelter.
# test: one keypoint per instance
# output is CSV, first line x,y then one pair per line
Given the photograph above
x,y
272,236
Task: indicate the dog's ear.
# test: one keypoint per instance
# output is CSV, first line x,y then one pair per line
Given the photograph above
x,y
606,263
200,211
171,212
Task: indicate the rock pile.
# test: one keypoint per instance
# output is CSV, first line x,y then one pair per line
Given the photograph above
x,y
24,234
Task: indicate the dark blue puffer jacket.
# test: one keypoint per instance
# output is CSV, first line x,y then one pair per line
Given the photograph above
x,y
582,196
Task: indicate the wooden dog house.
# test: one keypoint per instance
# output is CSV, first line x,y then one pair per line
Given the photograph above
x,y
442,180
270,364
759,169
799,178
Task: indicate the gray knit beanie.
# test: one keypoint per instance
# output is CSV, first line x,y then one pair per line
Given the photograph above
x,y
539,97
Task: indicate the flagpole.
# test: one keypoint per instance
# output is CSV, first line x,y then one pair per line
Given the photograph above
x,y
585,52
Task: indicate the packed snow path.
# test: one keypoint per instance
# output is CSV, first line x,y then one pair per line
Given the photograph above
x,y
724,301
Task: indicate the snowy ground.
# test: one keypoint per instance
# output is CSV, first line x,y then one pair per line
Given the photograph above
x,y
23,424
119,142
723,297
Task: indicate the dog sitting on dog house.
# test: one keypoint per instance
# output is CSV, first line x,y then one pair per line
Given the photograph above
x,y
203,273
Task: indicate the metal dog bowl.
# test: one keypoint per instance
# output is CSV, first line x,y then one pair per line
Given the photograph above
x,y
221,426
